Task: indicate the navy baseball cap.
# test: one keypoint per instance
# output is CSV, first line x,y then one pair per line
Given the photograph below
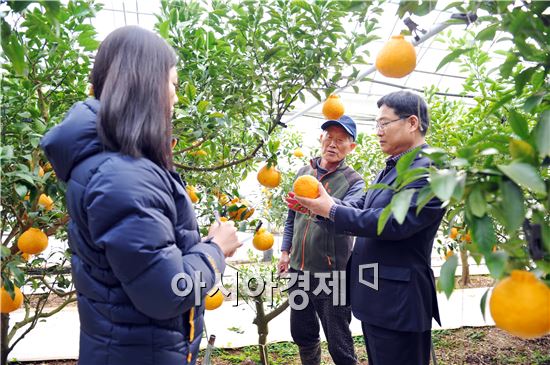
x,y
345,122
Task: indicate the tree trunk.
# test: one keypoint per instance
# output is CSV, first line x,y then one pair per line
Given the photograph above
x,y
262,324
4,345
465,267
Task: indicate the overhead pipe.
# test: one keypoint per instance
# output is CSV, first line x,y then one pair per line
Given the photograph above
x,y
438,28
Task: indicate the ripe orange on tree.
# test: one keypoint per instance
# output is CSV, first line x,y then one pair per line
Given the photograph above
x,y
46,202
263,240
298,153
9,304
306,186
239,210
199,153
213,300
333,108
454,233
448,254
520,305
397,58
269,177
193,194
32,241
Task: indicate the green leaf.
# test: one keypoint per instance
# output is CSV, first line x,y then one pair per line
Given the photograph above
x,y
216,115
483,232
21,190
401,203
519,124
477,203
4,252
446,281
384,216
452,56
19,5
190,90
52,7
522,78
524,175
15,53
483,302
496,263
406,160
542,134
272,52
202,106
164,27
488,34
443,183
532,102
512,208
379,186
458,193
424,196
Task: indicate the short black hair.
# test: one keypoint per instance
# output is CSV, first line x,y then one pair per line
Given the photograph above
x,y
405,104
130,79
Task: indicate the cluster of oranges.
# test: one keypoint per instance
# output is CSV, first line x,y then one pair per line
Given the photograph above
x,y
31,242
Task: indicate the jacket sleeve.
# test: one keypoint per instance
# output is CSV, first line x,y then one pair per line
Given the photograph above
x,y
288,232
363,222
355,196
128,214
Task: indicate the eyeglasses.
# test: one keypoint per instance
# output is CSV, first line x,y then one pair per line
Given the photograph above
x,y
381,124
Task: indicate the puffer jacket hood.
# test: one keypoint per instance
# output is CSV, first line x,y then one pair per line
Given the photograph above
x,y
132,233
73,141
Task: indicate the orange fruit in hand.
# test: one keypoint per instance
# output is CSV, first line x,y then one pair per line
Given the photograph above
x,y
520,305
7,304
32,241
306,186
269,177
448,254
333,108
397,58
45,201
298,153
454,233
213,300
263,240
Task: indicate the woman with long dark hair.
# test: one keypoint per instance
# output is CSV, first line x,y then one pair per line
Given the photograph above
x,y
139,266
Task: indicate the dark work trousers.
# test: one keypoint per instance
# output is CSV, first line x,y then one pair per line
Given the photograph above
x,y
305,330
389,347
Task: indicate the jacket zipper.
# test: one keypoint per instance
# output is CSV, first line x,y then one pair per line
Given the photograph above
x,y
191,332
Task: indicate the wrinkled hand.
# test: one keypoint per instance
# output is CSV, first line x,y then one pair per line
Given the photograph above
x,y
293,204
284,261
319,206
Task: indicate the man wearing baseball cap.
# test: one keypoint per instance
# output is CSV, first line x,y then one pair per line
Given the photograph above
x,y
311,251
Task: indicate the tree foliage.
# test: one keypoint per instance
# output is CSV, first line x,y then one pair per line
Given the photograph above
x,y
45,67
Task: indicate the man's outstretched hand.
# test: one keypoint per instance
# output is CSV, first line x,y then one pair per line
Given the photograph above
x,y
319,206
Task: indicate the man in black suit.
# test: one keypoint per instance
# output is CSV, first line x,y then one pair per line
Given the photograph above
x,y
392,286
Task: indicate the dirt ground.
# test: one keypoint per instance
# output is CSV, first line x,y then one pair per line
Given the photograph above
x,y
476,346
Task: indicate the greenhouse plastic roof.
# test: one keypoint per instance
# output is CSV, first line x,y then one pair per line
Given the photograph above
x,y
362,105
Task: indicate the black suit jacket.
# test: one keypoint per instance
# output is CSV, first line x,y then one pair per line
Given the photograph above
x,y
405,299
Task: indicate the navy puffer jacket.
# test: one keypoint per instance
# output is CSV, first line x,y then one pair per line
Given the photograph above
x,y
132,230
